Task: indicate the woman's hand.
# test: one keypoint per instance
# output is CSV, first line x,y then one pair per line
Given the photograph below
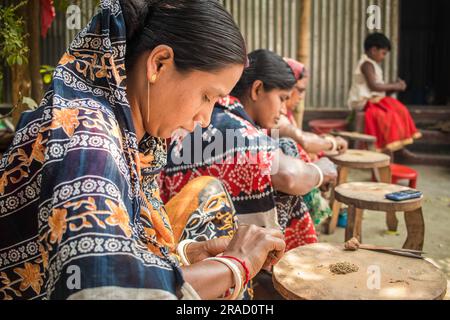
x,y
342,145
329,171
258,247
199,251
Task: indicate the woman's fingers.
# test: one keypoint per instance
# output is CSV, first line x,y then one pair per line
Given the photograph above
x,y
257,246
275,233
342,145
277,249
217,246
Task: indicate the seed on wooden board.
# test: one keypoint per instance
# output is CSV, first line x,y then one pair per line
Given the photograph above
x,y
343,268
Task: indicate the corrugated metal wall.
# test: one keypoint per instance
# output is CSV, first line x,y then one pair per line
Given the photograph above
x,y
271,24
338,30
268,24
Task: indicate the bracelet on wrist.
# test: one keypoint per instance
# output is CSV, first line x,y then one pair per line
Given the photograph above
x,y
244,267
237,275
320,174
181,250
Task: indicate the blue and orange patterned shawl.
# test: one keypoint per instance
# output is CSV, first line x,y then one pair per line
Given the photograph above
x,y
71,201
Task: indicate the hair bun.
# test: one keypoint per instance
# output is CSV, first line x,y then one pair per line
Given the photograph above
x,y
135,13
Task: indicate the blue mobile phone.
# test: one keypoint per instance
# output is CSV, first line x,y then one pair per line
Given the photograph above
x,y
404,195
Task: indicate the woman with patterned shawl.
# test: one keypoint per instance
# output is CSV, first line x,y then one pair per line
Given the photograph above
x,y
80,211
265,185
305,145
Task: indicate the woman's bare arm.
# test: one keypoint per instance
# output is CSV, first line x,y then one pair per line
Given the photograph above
x,y
251,244
210,279
293,176
311,142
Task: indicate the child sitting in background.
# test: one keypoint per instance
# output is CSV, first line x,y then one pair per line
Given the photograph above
x,y
386,118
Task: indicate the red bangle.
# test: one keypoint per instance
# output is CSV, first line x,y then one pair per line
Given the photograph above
x,y
244,266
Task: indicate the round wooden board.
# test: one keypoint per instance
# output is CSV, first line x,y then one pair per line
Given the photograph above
x,y
356,136
304,274
362,159
371,196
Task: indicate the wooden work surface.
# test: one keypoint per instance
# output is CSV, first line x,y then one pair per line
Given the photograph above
x,y
371,196
355,136
304,274
362,159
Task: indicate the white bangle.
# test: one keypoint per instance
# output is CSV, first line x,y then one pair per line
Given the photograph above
x,y
237,274
181,250
320,174
333,142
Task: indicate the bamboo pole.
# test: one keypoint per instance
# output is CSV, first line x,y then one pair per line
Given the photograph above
x,y
304,44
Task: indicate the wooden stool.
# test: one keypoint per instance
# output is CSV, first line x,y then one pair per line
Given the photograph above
x,y
371,196
360,159
304,274
362,141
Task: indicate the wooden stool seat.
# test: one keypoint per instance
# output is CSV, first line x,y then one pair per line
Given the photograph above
x,y
370,196
360,196
352,135
362,159
360,140
304,274
379,163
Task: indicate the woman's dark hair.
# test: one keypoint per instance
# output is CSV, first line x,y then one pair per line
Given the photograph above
x,y
377,40
202,34
267,67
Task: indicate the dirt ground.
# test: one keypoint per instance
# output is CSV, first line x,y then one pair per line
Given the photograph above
x,y
434,182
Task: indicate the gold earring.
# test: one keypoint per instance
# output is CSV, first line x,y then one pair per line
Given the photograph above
x,y
153,78
148,101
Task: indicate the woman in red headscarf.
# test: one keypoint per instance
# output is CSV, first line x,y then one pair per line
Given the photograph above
x,y
309,146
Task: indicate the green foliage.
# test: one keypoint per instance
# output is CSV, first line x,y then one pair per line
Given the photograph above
x,y
46,72
1,85
13,45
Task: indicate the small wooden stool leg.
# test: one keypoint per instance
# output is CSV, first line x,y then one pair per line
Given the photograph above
x,y
350,222
354,223
358,224
385,174
416,230
335,205
391,219
376,174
